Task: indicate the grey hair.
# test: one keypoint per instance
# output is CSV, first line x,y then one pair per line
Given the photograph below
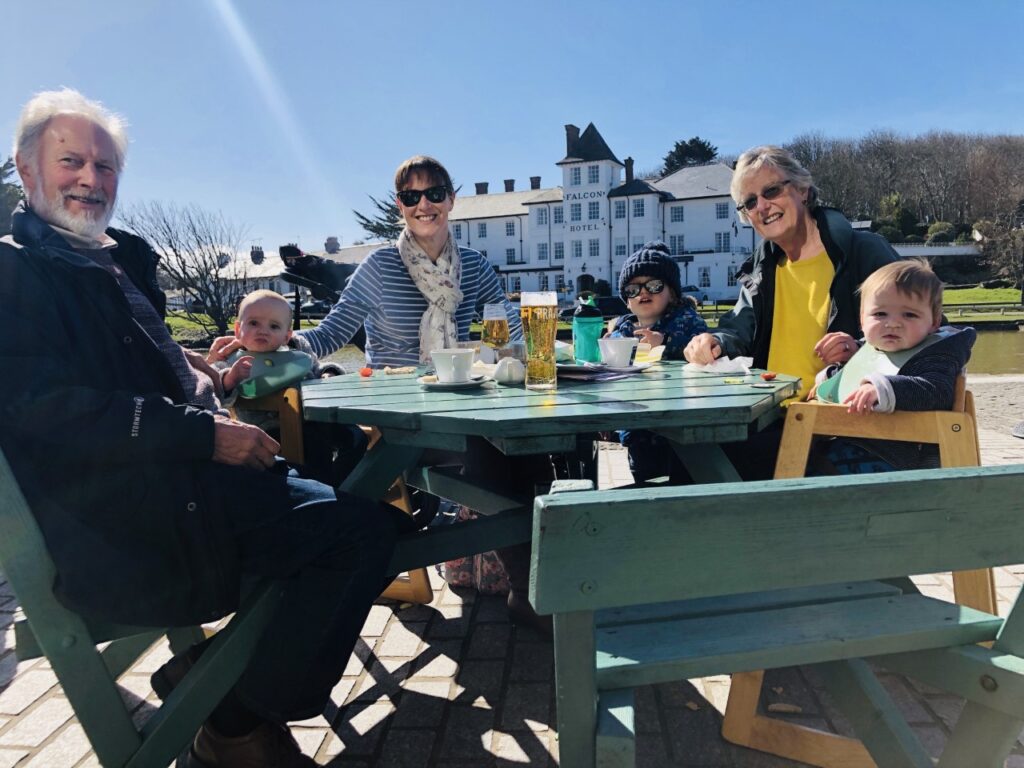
x,y
46,105
783,161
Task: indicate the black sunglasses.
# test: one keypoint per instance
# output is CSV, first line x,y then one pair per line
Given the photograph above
x,y
411,197
653,287
768,193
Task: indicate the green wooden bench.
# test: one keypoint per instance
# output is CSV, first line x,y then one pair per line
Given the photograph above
x,y
656,585
88,675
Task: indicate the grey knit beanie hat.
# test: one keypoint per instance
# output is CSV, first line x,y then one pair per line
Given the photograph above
x,y
653,259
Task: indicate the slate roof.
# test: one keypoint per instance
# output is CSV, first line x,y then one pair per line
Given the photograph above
x,y
697,181
500,204
590,147
638,187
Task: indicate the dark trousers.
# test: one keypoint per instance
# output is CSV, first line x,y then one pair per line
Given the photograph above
x,y
331,551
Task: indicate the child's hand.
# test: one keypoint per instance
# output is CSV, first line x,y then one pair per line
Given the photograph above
x,y
647,336
863,399
222,348
239,372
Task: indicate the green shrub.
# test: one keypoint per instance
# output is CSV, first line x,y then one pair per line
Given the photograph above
x,y
940,227
963,238
940,237
891,233
913,239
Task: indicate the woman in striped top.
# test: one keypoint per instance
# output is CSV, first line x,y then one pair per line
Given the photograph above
x,y
420,294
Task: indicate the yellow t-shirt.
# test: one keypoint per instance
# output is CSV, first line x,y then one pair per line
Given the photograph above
x,y
800,318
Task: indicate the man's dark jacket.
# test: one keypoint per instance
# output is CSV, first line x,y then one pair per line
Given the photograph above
x,y
747,329
115,466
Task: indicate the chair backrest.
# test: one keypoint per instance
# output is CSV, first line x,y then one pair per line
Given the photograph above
x,y
595,550
287,404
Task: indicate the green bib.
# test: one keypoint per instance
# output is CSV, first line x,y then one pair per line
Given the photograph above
x,y
273,371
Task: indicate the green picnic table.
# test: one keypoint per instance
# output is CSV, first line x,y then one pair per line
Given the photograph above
x,y
695,411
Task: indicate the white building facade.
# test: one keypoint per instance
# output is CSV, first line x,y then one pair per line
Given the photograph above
x,y
567,238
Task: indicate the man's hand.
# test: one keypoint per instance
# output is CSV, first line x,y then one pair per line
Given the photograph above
x,y
863,399
837,347
242,444
703,349
647,336
239,372
222,348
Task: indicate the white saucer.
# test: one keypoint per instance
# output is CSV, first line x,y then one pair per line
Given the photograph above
x,y
473,381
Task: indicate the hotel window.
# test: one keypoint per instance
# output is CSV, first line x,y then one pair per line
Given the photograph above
x,y
575,212
677,213
559,282
543,281
510,229
620,246
575,176
704,277
638,243
481,229
457,229
516,284
510,256
730,276
593,174
721,210
577,249
542,217
556,214
675,244
638,209
620,209
594,248
559,251
542,251
722,242
593,210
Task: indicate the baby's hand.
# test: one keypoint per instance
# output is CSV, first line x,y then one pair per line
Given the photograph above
x,y
863,399
222,348
239,372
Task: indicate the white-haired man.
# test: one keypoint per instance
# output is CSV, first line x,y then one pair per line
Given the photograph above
x,y
153,505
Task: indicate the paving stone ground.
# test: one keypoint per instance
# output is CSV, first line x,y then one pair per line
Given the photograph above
x,y
453,684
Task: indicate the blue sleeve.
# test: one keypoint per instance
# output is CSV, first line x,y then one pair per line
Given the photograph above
x,y
352,309
684,326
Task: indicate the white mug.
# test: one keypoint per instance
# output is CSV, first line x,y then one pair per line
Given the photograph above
x,y
452,365
617,352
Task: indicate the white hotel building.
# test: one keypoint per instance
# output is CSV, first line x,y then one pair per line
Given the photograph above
x,y
566,238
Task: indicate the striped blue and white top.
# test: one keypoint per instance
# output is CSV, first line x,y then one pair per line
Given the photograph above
x,y
382,296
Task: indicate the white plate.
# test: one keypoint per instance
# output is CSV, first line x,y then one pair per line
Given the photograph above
x,y
473,381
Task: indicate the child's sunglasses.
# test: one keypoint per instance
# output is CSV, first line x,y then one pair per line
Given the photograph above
x,y
411,197
653,287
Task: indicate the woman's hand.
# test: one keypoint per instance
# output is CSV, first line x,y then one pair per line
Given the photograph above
x,y
222,348
703,349
648,336
836,347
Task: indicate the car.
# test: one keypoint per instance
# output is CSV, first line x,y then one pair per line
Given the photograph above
x,y
697,294
318,308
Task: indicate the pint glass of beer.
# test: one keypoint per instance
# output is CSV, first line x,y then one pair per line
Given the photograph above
x,y
495,332
539,312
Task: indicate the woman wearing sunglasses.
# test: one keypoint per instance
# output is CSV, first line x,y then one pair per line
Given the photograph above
x,y
420,294
797,311
660,314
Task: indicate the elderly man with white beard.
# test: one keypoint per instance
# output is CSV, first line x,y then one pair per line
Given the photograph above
x,y
155,506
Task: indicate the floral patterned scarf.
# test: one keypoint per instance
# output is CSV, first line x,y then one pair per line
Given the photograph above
x,y
439,282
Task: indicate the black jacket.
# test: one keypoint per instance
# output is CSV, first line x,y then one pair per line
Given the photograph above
x,y
747,329
94,424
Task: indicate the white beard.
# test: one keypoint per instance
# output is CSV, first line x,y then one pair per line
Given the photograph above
x,y
54,212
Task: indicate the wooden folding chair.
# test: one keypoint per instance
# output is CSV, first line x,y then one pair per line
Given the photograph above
x,y
413,587
956,434
88,674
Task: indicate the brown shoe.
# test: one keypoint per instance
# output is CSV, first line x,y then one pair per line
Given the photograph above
x,y
269,746
521,613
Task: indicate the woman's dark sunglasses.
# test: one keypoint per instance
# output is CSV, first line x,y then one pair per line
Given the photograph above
x,y
768,193
653,287
411,197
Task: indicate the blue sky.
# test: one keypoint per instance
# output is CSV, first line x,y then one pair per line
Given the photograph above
x,y
285,115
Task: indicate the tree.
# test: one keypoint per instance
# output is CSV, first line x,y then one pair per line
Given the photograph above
x,y
386,224
692,152
1002,244
198,253
10,195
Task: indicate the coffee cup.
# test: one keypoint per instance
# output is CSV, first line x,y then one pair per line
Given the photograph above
x,y
452,365
617,352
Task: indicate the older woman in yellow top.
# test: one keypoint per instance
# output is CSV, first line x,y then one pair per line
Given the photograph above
x,y
797,311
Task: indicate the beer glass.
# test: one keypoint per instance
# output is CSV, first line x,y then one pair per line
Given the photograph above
x,y
539,312
495,333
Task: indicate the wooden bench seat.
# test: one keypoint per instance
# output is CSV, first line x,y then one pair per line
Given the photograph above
x,y
758,564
